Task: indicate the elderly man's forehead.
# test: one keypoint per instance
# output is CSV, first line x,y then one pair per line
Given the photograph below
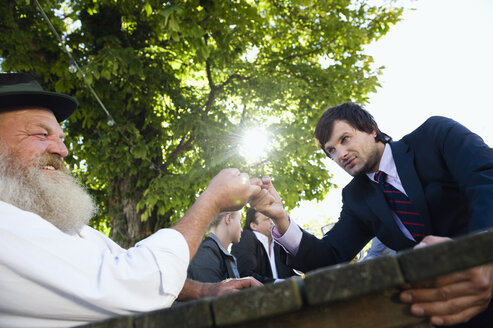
x,y
32,115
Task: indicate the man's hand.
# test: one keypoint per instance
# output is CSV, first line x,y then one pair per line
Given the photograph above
x,y
195,289
268,202
230,190
230,286
454,298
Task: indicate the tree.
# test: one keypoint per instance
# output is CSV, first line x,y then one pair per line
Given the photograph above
x,y
182,80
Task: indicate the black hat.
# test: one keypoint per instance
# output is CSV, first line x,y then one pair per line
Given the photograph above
x,y
21,89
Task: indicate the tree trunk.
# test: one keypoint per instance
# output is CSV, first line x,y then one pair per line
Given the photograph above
x,y
126,225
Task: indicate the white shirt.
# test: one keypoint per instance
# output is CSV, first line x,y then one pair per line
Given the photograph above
x,y
269,248
52,279
291,239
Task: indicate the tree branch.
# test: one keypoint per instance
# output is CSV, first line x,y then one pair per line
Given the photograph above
x,y
182,146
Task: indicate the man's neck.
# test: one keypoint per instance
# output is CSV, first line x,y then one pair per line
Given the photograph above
x,y
222,236
380,148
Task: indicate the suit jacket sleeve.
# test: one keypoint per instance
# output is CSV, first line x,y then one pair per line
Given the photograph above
x,y
283,271
249,257
348,236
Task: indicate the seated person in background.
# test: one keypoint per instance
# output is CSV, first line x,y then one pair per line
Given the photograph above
x,y
55,270
213,262
257,254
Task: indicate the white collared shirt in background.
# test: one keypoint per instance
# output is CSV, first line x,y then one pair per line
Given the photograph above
x,y
269,248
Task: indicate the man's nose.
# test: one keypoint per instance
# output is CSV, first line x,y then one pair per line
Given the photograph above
x,y
341,154
57,147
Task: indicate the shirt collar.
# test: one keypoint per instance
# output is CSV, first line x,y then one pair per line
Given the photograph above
x,y
214,237
263,239
387,164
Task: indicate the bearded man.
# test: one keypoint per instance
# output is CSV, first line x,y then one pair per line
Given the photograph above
x,y
54,269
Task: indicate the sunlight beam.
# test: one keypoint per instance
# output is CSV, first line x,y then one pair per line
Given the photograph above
x,y
254,143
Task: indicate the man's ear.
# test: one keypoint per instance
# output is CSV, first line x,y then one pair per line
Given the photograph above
x,y
253,226
374,131
227,219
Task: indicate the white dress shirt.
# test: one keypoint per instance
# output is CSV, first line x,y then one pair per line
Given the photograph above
x,y
269,248
52,279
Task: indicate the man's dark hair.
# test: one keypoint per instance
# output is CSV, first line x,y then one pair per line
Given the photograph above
x,y
251,216
355,115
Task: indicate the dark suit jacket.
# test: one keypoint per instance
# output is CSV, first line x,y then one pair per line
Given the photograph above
x,y
211,263
254,261
447,172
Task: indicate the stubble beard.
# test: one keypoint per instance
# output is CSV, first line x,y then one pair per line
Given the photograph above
x,y
371,163
57,196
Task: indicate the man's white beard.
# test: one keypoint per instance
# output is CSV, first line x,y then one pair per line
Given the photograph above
x,y
55,196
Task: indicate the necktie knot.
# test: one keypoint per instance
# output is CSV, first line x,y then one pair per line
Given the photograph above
x,y
380,177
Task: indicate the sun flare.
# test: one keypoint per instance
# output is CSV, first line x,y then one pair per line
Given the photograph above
x,y
254,143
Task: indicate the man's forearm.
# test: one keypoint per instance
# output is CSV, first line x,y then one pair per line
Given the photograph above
x,y
192,290
228,191
282,222
194,223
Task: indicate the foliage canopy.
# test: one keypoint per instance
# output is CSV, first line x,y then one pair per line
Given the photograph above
x,y
183,80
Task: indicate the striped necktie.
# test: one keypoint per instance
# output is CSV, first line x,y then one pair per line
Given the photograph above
x,y
402,207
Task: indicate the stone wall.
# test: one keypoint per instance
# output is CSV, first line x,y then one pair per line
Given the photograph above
x,y
363,294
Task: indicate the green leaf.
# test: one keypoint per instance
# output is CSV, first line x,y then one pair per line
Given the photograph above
x,y
148,9
139,151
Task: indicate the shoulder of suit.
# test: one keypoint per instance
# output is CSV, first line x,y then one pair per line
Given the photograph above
x,y
248,236
247,232
432,123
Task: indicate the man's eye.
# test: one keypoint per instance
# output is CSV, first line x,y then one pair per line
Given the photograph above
x,y
41,134
344,139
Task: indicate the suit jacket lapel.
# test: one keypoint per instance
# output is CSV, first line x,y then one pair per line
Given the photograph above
x,y
404,162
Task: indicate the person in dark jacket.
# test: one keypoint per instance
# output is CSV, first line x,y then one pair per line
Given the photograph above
x,y
213,262
257,254
434,184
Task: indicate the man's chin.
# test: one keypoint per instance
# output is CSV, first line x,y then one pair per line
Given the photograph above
x,y
354,171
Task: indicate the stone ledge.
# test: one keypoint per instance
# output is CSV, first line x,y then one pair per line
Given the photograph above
x,y
345,281
461,253
345,295
257,303
189,314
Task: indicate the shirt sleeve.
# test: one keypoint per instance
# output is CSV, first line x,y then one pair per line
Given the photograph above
x,y
291,239
172,258
49,278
